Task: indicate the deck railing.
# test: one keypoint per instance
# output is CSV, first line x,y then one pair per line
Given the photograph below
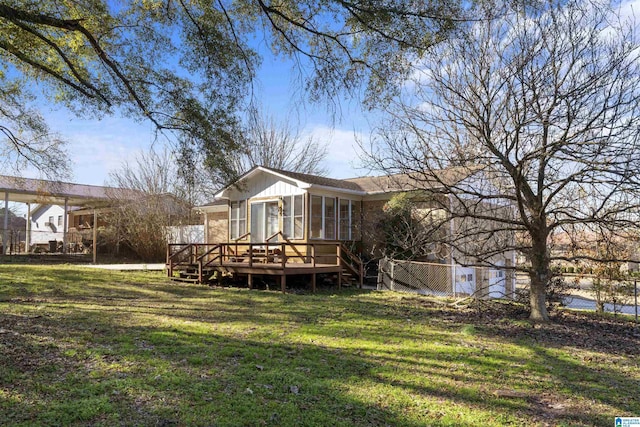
x,y
277,255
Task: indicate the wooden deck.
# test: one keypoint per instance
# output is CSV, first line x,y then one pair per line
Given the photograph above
x,y
200,262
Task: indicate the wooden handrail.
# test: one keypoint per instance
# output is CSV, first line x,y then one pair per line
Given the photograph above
x,y
171,257
274,235
352,258
344,257
244,236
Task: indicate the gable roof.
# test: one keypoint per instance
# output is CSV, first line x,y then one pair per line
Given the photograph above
x,y
301,180
316,180
369,185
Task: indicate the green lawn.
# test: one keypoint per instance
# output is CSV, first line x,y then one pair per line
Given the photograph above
x,y
86,347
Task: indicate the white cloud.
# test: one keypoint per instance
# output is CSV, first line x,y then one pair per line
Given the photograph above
x,y
96,147
343,158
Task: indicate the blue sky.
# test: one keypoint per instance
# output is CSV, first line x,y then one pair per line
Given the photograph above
x,y
96,147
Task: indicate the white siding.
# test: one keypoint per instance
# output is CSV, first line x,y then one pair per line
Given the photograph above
x,y
185,234
42,233
265,185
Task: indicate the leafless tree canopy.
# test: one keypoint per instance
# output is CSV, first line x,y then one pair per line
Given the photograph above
x,y
279,145
151,198
539,108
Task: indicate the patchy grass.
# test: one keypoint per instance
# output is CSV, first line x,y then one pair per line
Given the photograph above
x,y
87,347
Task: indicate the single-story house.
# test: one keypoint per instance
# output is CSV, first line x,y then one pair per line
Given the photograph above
x,y
305,218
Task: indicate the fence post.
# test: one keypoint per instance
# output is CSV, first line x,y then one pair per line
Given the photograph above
x,y
453,280
392,284
635,297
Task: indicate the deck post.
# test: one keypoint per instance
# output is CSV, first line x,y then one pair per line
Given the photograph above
x,y
65,225
283,283
313,283
95,235
27,237
283,256
169,266
340,279
250,280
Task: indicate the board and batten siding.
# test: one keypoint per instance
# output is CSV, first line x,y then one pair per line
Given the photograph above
x,y
265,186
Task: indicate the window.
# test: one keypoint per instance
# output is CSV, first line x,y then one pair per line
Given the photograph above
x,y
59,220
316,217
329,218
323,217
344,219
238,219
50,220
349,220
292,216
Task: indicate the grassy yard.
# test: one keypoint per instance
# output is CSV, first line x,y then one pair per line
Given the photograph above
x,y
86,347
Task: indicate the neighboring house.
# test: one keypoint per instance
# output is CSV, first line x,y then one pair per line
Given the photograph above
x,y
47,225
280,206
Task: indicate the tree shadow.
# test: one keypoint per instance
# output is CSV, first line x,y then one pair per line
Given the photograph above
x,y
237,357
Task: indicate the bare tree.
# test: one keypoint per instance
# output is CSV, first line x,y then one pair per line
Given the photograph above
x,y
278,145
151,198
537,110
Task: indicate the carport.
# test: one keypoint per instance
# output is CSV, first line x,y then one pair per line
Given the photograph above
x,y
39,191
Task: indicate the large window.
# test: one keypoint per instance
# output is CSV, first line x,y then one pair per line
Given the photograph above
x,y
323,217
292,216
349,220
238,219
329,218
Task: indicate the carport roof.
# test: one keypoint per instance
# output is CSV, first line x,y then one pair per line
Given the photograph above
x,y
28,190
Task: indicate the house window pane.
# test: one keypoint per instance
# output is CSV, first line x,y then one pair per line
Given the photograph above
x,y
238,219
292,216
233,220
355,221
286,217
242,217
50,220
316,217
59,220
344,219
329,218
298,216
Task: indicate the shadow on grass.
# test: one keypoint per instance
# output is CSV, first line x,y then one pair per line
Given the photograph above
x,y
161,354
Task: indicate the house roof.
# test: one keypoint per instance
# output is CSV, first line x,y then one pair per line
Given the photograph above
x,y
28,190
302,180
370,185
409,181
316,180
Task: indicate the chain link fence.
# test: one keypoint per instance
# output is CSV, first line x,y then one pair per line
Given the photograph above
x,y
581,292
445,279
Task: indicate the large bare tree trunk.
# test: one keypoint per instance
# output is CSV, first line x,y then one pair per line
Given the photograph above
x,y
540,276
537,297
